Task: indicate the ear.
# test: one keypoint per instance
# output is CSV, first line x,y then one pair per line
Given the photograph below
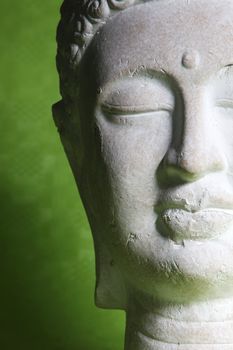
x,y
110,288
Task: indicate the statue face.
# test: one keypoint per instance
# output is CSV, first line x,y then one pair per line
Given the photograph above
x,y
155,111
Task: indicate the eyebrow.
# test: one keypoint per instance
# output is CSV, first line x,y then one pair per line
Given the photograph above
x,y
150,76
138,72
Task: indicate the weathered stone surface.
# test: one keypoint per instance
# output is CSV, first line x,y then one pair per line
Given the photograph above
x,y
146,120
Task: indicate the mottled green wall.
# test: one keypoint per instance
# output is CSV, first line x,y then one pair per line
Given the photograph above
x,y
46,250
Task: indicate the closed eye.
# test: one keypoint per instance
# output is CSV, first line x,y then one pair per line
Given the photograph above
x,y
133,100
134,110
131,115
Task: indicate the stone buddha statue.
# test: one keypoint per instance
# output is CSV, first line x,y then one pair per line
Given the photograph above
x,y
146,120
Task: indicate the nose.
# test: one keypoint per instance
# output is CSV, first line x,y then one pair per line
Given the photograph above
x,y
196,148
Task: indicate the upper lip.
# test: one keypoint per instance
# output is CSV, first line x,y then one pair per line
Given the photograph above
x,y
208,205
189,207
202,225
195,200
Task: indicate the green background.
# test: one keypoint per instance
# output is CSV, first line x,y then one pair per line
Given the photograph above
x,y
46,250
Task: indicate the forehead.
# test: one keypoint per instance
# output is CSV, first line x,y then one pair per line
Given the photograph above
x,y
156,36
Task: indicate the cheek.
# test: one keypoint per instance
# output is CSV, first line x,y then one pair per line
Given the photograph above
x,y
131,155
224,125
133,152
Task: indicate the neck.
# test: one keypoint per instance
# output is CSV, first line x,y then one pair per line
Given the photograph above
x,y
206,325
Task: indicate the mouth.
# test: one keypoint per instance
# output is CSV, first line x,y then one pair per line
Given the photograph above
x,y
180,224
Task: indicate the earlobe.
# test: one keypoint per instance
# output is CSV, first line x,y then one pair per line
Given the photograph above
x,y
110,288
110,291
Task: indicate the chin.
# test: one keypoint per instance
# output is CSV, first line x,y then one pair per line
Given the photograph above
x,y
180,272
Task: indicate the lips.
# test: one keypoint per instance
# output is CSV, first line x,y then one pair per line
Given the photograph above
x,y
179,224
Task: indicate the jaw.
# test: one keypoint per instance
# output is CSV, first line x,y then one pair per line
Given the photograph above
x,y
191,271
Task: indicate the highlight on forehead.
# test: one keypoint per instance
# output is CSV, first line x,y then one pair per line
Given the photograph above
x,y
81,19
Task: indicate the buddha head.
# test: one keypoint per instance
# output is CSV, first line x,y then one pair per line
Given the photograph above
x,y
146,120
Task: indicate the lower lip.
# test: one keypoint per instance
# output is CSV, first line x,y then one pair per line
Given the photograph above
x,y
179,224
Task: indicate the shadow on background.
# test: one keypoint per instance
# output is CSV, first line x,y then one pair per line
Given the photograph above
x,y
47,285
46,251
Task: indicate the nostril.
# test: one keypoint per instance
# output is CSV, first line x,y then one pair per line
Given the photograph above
x,y
171,157
188,166
173,175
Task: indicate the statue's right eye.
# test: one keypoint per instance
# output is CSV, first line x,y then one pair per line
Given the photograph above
x,y
131,98
136,109
135,118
